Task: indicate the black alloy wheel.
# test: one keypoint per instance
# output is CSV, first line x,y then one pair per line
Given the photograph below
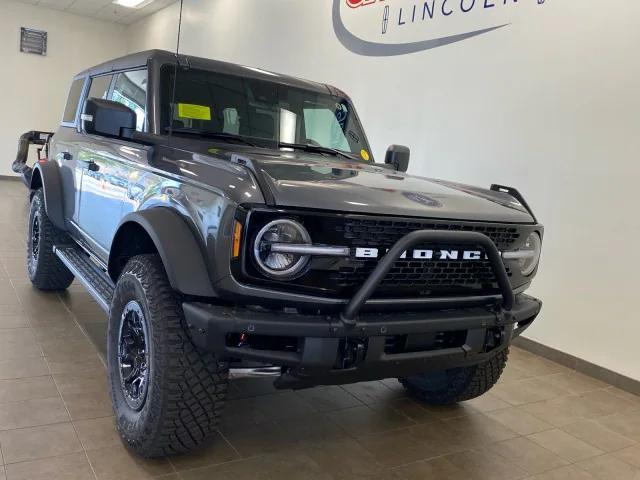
x,y
46,271
134,355
35,238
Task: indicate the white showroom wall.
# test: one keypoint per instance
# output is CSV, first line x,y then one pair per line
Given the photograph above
x,y
34,88
548,103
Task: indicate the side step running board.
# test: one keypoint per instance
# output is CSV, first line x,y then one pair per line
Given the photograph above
x,y
92,277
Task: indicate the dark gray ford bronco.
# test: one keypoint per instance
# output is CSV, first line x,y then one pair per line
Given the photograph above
x,y
233,221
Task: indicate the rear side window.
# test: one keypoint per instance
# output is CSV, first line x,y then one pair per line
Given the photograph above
x,y
100,87
72,102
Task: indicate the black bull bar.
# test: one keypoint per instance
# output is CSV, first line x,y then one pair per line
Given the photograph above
x,y
350,313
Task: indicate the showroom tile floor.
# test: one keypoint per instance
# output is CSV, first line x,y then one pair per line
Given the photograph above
x,y
542,421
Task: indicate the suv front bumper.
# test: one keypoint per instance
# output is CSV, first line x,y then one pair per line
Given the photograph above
x,y
331,351
356,345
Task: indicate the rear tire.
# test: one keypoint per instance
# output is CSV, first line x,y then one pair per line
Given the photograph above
x,y
44,268
167,395
458,384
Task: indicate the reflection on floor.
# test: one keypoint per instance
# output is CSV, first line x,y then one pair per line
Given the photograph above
x,y
542,421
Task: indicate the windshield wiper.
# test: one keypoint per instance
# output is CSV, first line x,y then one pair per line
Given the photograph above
x,y
209,134
315,148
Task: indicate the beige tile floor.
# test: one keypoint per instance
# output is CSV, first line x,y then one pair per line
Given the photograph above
x,y
541,421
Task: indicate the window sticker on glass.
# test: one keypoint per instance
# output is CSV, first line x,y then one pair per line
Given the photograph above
x,y
365,155
341,115
194,112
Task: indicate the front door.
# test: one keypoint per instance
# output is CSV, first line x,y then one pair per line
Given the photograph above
x,y
105,181
106,162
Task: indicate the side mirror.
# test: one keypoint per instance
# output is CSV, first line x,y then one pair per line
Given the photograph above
x,y
108,118
398,157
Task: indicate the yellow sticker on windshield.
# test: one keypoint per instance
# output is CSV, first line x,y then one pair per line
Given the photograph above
x,y
194,112
365,155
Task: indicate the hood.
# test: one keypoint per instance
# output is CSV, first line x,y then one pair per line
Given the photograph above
x,y
309,181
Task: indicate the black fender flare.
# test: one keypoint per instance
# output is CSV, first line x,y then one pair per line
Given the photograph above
x,y
182,255
47,175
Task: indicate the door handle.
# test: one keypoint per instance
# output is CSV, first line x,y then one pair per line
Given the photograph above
x,y
90,165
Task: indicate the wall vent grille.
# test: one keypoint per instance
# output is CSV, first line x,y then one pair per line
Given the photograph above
x,y
33,41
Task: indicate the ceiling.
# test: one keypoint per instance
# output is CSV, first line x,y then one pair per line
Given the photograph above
x,y
102,9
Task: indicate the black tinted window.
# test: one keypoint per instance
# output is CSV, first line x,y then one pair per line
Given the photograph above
x,y
72,103
100,87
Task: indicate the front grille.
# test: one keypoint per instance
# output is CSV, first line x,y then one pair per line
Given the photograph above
x,y
409,278
373,232
424,277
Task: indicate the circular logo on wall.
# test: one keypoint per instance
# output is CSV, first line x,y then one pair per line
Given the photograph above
x,y
368,27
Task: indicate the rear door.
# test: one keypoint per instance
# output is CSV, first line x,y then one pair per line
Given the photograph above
x,y
64,149
107,162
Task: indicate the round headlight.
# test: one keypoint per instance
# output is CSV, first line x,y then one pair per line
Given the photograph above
x,y
283,266
531,254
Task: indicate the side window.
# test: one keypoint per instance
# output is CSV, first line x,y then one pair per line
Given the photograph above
x,y
71,109
100,87
130,89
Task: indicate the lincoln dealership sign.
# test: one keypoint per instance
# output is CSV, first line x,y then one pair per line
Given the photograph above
x,y
397,27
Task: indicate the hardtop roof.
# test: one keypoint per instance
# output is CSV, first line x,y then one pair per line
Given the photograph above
x,y
142,59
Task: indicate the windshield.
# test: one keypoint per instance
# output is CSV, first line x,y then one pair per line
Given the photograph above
x,y
264,113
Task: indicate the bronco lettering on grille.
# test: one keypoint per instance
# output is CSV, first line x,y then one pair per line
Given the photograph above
x,y
426,254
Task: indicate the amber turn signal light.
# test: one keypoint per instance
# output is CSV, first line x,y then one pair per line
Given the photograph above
x,y
237,235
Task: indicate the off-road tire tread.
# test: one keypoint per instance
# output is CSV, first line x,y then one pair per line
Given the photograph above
x,y
186,408
463,383
51,274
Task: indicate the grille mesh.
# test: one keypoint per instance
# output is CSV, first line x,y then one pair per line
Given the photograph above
x,y
341,277
426,276
430,277
372,232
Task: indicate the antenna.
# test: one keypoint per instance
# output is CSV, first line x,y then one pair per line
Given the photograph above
x,y
175,72
179,28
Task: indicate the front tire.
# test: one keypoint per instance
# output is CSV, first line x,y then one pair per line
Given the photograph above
x,y
167,395
456,385
44,268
